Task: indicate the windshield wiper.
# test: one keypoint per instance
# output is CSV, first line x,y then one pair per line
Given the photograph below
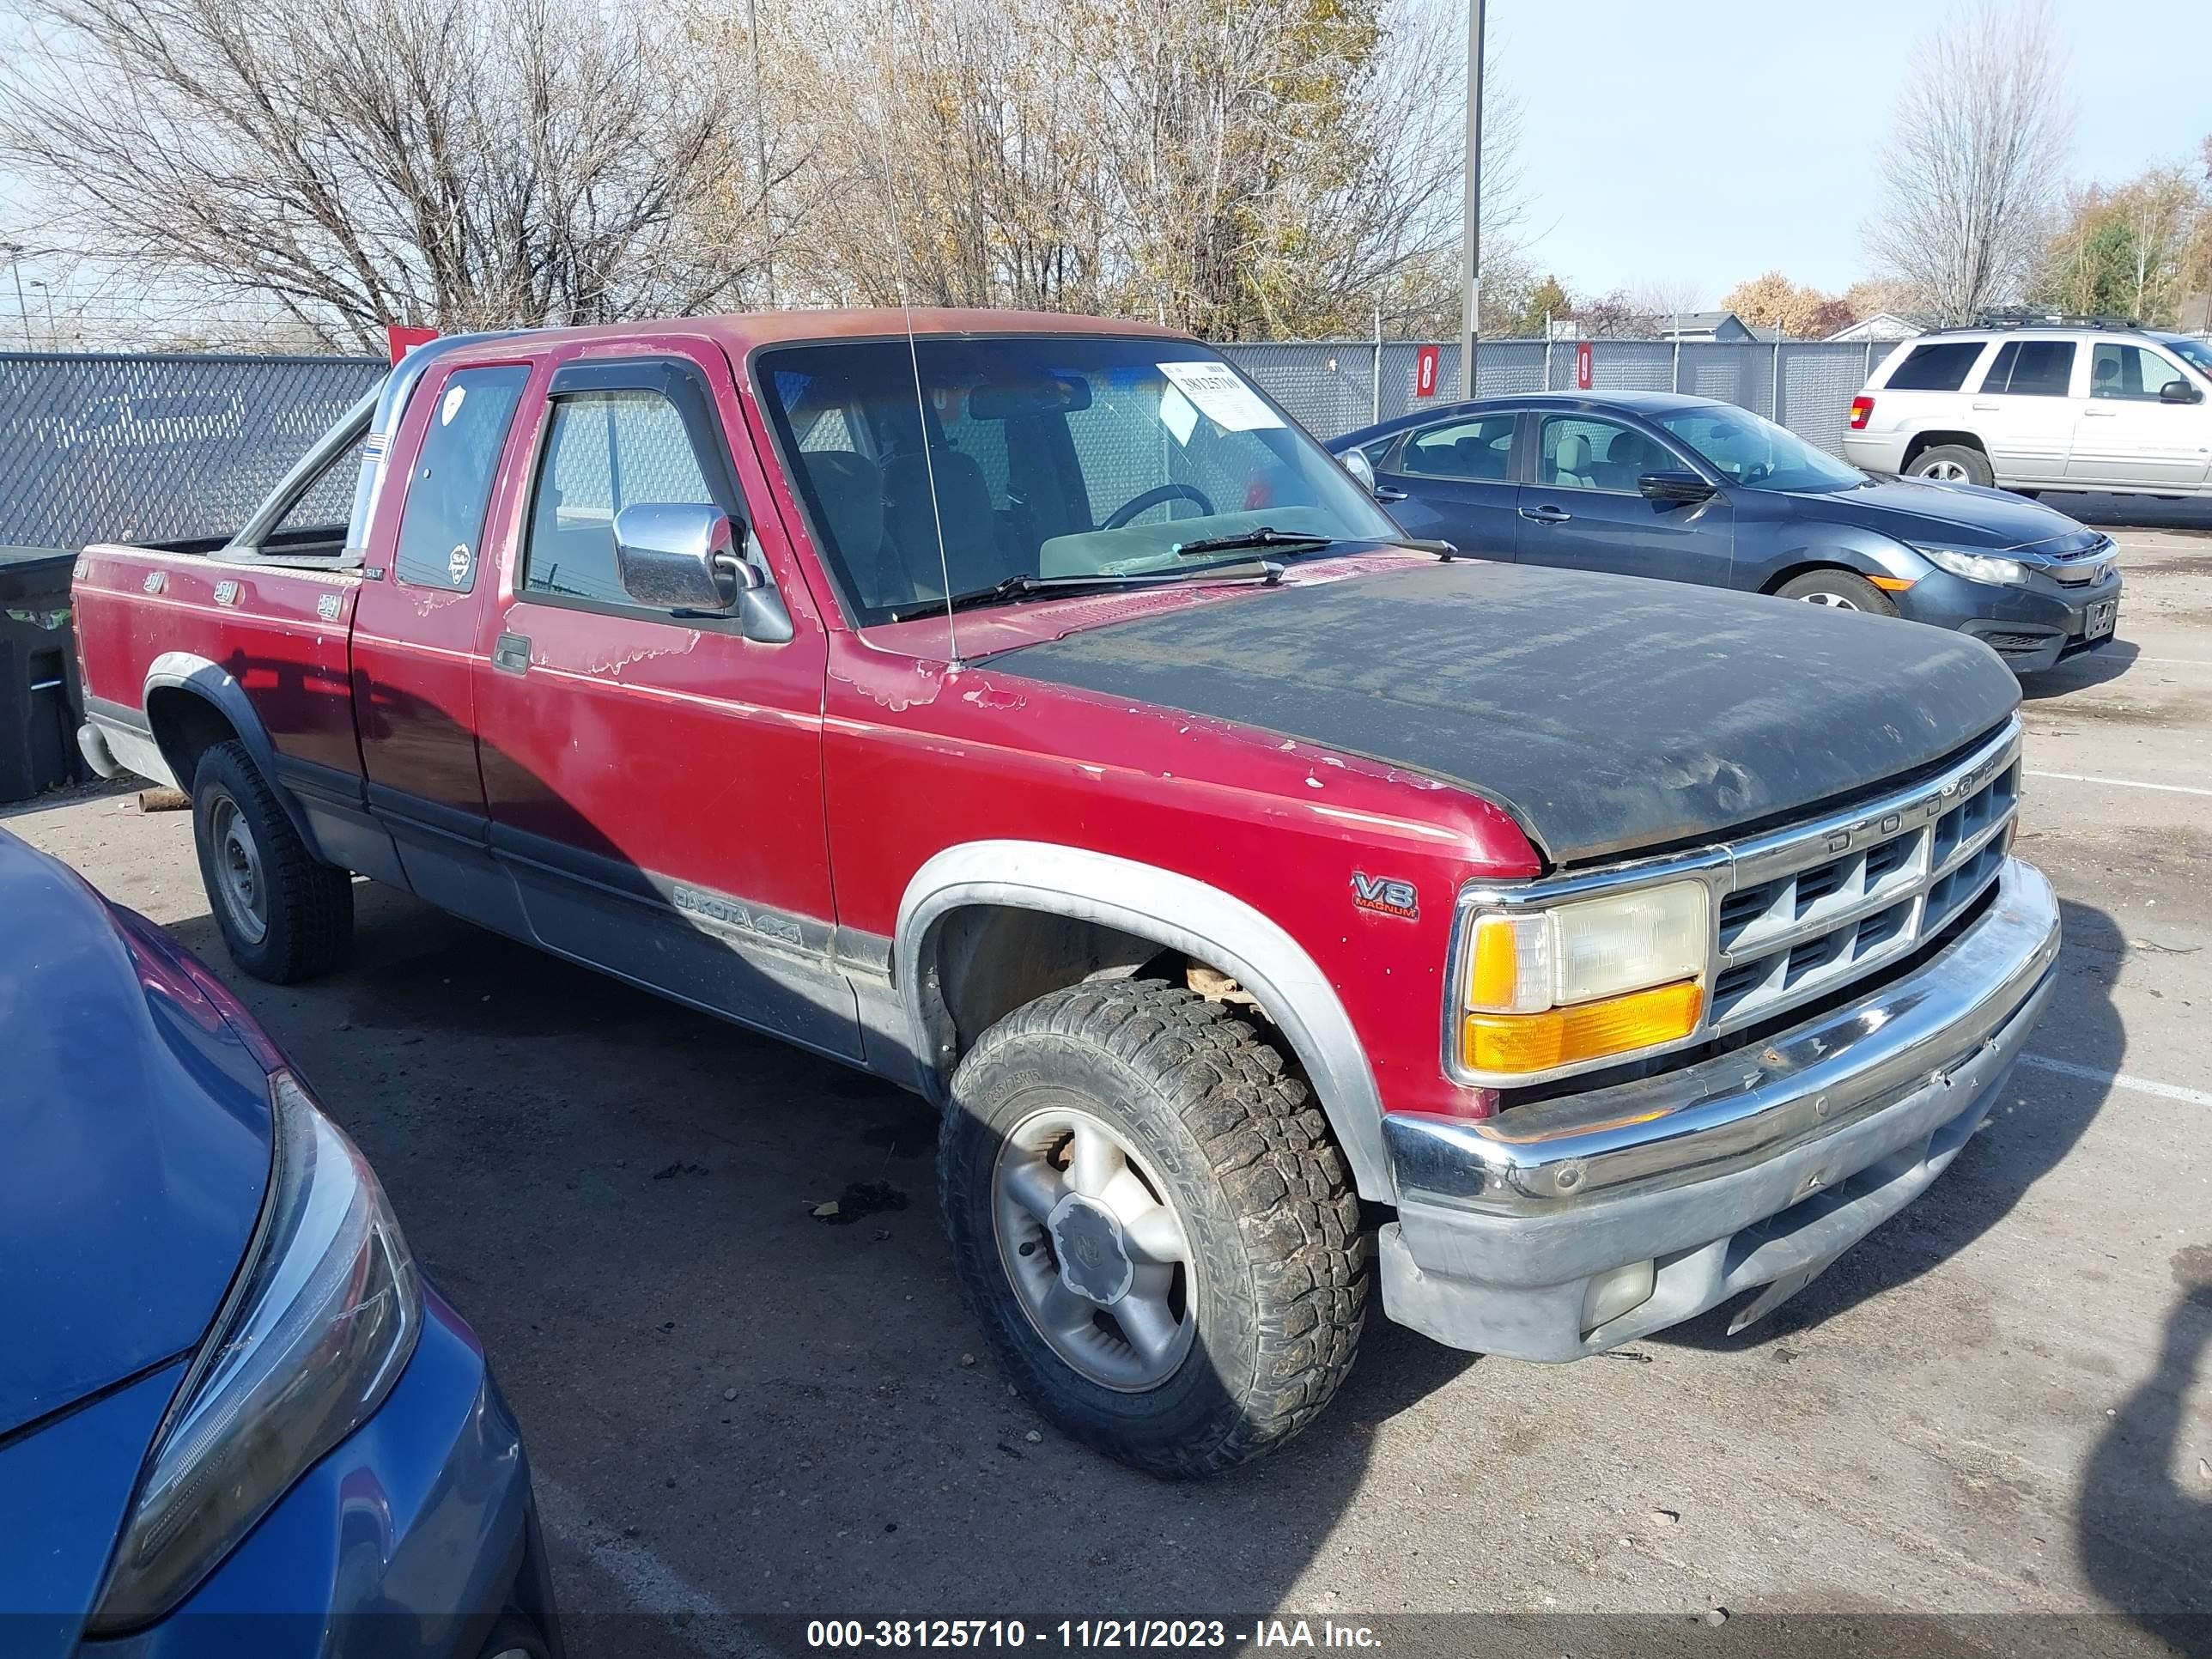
x,y
1020,586
1265,536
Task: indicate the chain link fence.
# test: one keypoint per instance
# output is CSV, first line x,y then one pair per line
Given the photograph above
x,y
158,447
161,449
1333,386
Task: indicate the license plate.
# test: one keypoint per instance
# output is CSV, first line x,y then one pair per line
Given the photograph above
x,y
2102,615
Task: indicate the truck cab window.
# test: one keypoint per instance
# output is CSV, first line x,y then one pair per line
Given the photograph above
x,y
605,451
441,526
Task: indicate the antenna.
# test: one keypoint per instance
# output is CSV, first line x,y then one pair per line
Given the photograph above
x,y
913,352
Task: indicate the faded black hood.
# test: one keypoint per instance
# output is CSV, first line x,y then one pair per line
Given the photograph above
x,y
1608,713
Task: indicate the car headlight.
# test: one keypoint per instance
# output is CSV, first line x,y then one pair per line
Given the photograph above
x,y
320,1323
1584,980
1975,567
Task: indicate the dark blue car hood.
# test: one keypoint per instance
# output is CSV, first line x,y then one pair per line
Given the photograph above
x,y
1926,513
134,1144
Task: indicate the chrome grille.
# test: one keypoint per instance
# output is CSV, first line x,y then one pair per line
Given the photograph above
x,y
1809,909
1804,911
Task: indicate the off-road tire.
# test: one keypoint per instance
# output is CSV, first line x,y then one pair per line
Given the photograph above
x,y
1968,458
1280,1265
1841,589
308,904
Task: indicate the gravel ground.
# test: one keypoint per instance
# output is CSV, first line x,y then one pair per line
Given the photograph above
x,y
1999,1404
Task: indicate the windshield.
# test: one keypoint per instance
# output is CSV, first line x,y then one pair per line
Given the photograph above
x,y
1753,451
1048,456
2197,354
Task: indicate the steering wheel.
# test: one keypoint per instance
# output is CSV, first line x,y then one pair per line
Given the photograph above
x,y
1153,497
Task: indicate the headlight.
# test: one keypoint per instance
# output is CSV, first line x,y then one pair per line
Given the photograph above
x,y
1975,567
1584,980
322,1322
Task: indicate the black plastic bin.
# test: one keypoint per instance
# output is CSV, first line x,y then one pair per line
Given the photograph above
x,y
41,703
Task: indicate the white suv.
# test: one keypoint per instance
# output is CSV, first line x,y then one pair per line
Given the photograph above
x,y
2034,408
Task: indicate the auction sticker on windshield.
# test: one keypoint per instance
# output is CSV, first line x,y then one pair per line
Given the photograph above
x,y
1220,396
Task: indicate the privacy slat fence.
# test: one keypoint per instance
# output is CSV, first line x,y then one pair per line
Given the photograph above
x,y
155,447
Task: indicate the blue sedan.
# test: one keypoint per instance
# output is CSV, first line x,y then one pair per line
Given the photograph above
x,y
227,1394
1688,490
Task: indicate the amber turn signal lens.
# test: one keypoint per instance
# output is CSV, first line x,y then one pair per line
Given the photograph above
x,y
1514,1043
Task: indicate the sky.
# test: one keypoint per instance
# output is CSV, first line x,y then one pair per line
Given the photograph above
x,y
1703,142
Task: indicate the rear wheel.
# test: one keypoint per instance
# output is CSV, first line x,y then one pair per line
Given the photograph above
x,y
1952,463
285,915
1153,1226
1839,590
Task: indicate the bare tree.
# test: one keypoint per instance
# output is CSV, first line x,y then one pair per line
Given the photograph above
x,y
462,163
1976,142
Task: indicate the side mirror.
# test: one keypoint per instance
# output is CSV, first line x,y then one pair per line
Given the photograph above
x,y
1674,486
2180,392
682,557
1357,463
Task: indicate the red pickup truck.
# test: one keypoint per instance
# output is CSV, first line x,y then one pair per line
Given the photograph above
x,y
1024,711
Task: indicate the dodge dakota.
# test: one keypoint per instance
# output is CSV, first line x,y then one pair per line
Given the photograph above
x,y
1023,710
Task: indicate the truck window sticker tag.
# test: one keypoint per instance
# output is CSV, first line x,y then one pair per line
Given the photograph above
x,y
1386,896
1178,414
1225,399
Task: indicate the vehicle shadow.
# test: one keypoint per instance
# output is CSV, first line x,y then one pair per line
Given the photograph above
x,y
2133,1510
2078,673
733,1406
2033,1126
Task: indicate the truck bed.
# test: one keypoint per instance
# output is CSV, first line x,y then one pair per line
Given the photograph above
x,y
153,617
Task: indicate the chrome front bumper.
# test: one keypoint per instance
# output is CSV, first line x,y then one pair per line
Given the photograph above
x,y
1758,1168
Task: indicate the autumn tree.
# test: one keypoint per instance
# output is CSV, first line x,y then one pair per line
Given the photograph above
x,y
2126,250
1800,311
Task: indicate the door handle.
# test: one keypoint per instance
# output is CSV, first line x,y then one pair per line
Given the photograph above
x,y
2099,414
1545,515
1985,406
512,653
1385,493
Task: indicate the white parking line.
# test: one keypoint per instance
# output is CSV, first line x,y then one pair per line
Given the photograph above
x,y
653,1587
2122,783
2142,1086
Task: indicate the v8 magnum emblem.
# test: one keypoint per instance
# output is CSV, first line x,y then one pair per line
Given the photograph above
x,y
1386,895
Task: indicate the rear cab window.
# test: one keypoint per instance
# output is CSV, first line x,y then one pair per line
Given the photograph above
x,y
441,523
1939,366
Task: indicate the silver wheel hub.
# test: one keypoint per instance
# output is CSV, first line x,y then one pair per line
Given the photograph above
x,y
1087,1239
239,880
1097,1257
1833,601
1944,471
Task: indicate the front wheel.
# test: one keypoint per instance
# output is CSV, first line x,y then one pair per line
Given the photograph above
x,y
1839,590
1153,1226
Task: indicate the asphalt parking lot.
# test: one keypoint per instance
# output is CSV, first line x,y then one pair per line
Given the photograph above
x,y
2000,1404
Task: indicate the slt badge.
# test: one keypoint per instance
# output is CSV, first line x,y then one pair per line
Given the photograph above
x,y
1386,895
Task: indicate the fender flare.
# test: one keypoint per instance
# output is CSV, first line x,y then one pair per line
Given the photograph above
x,y
182,671
1866,553
1179,913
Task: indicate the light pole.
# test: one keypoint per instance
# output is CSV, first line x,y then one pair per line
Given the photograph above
x,y
1471,233
53,338
15,252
